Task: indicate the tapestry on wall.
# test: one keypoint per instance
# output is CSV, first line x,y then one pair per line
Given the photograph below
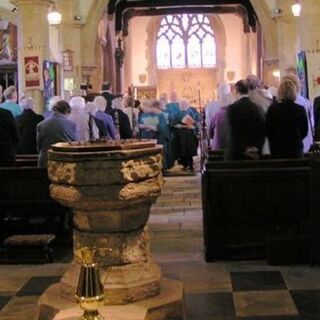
x,y
5,52
49,79
303,73
32,72
8,44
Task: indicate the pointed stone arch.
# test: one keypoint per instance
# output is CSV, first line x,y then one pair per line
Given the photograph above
x,y
268,27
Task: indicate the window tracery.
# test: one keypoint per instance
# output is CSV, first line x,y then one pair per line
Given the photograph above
x,y
185,41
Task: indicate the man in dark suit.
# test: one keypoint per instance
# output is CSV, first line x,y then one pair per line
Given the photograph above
x,y
56,128
27,127
106,92
247,126
316,110
8,138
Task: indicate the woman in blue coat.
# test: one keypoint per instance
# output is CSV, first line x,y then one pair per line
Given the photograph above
x,y
153,125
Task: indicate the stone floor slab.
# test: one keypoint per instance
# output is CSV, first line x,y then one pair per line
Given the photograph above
x,y
20,308
307,301
301,277
264,303
168,305
12,284
209,305
4,300
36,286
253,281
198,276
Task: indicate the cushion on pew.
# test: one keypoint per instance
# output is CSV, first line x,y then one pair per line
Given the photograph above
x,y
29,240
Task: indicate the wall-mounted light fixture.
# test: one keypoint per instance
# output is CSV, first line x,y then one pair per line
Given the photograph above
x,y
276,73
54,16
296,8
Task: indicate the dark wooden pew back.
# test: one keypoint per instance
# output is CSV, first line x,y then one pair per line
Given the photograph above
x,y
25,202
26,160
244,202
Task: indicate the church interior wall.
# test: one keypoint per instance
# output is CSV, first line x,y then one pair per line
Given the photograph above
x,y
235,59
54,51
82,8
140,51
137,51
283,34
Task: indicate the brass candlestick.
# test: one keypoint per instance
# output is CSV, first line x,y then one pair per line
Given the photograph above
x,y
90,293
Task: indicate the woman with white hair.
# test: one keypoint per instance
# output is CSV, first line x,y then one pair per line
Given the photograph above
x,y
219,127
223,91
27,127
121,120
11,97
85,127
91,109
133,114
101,103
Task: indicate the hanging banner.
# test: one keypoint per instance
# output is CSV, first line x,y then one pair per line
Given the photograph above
x,y
49,81
303,73
313,59
32,72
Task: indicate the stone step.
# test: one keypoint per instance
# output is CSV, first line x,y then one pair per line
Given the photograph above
x,y
178,202
175,209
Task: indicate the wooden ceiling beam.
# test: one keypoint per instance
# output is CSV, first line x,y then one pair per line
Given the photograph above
x,y
121,7
239,10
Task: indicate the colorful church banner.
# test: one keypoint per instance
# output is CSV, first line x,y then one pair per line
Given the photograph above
x,y
303,73
49,81
32,72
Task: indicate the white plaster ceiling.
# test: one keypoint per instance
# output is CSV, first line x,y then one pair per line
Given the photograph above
x,y
6,4
85,6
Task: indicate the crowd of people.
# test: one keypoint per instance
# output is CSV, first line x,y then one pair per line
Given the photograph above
x,y
174,124
247,120
254,120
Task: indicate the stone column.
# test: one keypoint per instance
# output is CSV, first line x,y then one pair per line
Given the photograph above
x,y
70,39
119,56
288,37
247,53
33,40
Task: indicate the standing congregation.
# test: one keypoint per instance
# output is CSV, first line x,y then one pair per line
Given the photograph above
x,y
246,121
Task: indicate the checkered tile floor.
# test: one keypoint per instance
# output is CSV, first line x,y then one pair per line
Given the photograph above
x,y
243,290
256,295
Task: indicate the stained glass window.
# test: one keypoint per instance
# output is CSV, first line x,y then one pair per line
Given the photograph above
x,y
186,40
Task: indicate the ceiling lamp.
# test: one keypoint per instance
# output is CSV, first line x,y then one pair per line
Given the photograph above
x,y
54,16
296,8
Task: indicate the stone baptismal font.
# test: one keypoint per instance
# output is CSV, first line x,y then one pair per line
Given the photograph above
x,y
110,186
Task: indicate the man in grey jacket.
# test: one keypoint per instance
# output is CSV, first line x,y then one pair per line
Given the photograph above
x,y
56,128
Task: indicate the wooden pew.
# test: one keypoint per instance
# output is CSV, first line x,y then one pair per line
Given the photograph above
x,y
246,203
26,205
26,160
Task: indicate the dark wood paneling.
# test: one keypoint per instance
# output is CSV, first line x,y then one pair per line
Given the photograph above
x,y
245,202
